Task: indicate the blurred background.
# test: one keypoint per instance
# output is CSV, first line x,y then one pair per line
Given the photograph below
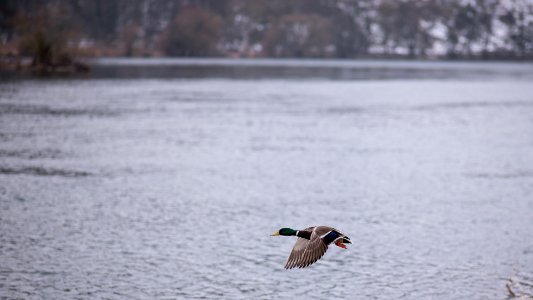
x,y
480,29
149,148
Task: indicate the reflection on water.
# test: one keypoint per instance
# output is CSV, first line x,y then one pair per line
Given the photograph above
x,y
298,69
148,188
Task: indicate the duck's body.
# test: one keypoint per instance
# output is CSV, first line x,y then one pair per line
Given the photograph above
x,y
312,243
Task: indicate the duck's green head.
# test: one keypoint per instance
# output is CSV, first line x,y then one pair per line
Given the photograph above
x,y
285,232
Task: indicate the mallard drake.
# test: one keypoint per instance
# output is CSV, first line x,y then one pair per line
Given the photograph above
x,y
312,243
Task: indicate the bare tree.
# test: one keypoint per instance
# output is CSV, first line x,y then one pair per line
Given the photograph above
x,y
194,32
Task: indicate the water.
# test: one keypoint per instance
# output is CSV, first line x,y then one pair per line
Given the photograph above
x,y
167,183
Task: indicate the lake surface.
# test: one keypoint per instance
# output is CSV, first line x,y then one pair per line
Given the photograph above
x,y
163,179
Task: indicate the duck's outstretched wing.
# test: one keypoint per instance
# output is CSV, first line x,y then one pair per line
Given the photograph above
x,y
296,253
306,252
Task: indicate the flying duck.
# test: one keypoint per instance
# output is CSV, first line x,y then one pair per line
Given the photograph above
x,y
312,243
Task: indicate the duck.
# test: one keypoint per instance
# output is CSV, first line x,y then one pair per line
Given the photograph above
x,y
312,244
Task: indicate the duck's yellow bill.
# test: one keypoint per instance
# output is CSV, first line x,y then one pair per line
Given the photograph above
x,y
275,233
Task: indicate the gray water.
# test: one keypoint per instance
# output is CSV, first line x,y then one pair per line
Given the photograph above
x,y
166,183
